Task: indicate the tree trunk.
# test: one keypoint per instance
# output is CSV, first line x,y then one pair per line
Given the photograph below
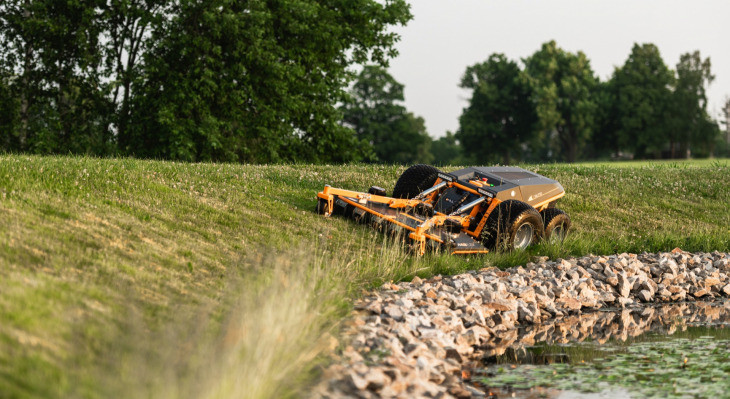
x,y
25,88
505,157
570,142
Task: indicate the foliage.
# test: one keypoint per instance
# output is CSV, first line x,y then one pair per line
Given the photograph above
x,y
52,48
375,112
605,140
500,116
690,124
256,81
643,85
563,83
447,150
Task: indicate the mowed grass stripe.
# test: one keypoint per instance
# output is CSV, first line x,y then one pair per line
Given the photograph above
x,y
132,278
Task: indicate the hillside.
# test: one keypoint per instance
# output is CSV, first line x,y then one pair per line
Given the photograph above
x,y
132,278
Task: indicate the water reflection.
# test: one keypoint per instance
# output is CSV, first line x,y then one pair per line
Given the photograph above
x,y
591,339
534,343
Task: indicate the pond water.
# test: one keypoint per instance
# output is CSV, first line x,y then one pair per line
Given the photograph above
x,y
678,350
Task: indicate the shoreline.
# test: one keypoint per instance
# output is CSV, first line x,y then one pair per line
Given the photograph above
x,y
420,338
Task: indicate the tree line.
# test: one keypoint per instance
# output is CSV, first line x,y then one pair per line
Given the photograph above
x,y
553,107
272,81
219,80
550,107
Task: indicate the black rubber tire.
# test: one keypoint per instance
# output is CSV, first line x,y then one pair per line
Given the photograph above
x,y
322,206
507,221
557,224
414,180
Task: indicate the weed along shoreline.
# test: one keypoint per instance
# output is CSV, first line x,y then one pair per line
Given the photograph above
x,y
425,338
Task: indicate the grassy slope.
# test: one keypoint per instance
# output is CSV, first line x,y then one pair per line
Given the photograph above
x,y
157,279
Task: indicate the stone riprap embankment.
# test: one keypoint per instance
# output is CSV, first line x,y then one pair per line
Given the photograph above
x,y
421,339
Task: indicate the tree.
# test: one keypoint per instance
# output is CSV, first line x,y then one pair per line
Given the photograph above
x,y
500,116
605,140
643,86
8,114
376,113
563,83
258,81
128,25
52,48
446,150
689,104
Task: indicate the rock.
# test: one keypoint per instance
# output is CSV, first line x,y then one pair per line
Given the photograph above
x,y
646,296
452,353
726,289
500,305
701,292
710,281
624,286
459,392
623,301
570,303
527,294
394,311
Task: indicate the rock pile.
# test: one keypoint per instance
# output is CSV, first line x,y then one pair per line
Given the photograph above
x,y
419,339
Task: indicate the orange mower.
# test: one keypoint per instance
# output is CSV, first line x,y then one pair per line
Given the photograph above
x,y
468,211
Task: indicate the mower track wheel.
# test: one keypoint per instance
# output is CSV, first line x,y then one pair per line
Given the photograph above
x,y
557,224
414,180
512,225
322,206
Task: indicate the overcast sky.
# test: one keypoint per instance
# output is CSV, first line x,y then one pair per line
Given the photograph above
x,y
445,37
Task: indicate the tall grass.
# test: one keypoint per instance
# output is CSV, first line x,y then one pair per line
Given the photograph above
x,y
128,278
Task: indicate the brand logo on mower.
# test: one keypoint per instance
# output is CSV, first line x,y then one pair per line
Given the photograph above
x,y
448,178
485,193
534,197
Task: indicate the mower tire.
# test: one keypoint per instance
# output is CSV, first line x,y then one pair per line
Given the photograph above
x,y
513,225
322,206
556,223
415,179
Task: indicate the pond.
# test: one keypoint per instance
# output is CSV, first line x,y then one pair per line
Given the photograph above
x,y
678,350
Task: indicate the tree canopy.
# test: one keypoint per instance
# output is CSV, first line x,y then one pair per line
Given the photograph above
x,y
643,85
375,112
500,115
277,81
221,80
563,85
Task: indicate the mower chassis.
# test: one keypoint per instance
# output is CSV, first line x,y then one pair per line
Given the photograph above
x,y
423,230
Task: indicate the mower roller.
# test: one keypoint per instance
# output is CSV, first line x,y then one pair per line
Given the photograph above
x,y
469,211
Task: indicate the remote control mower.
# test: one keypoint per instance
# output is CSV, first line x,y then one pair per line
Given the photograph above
x,y
468,211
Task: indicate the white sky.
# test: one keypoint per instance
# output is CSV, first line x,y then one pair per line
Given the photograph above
x,y
445,37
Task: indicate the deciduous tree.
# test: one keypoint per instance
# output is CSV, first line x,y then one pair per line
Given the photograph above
x,y
500,117
446,150
376,113
259,81
688,114
643,85
563,83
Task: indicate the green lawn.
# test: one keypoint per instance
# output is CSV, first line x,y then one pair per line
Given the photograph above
x,y
129,278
